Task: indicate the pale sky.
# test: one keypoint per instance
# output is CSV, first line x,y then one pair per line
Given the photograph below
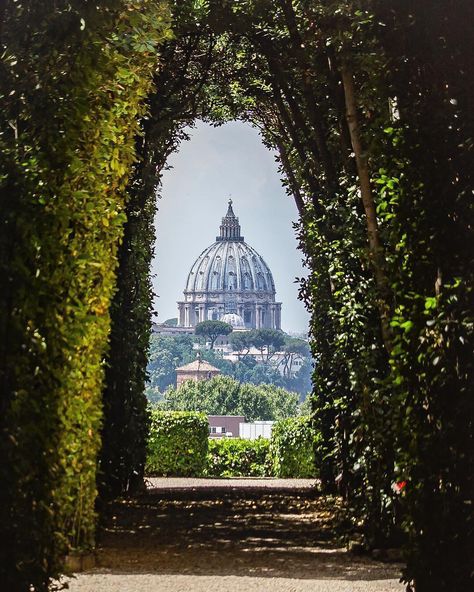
x,y
218,163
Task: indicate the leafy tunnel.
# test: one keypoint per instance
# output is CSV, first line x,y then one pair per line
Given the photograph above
x,y
367,105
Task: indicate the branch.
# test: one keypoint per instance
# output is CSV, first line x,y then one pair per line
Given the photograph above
x,y
377,256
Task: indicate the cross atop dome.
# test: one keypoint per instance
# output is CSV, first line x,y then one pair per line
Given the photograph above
x,y
230,227
230,211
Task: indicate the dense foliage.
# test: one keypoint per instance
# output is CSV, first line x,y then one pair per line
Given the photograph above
x,y
169,352
352,95
165,355
233,457
368,104
293,448
177,444
222,395
73,78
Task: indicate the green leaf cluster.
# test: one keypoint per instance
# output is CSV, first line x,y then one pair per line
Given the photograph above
x,y
293,448
233,457
177,444
73,79
223,395
212,329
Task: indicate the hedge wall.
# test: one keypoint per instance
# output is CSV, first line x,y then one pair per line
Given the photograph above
x,y
292,448
232,457
179,446
178,443
73,78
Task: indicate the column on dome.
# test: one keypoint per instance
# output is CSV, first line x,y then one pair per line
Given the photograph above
x,y
186,315
181,320
258,316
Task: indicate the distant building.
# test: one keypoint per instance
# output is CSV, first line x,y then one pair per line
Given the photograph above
x,y
235,426
230,281
225,426
170,331
197,370
256,429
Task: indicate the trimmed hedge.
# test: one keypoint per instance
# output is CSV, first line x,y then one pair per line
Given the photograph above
x,y
68,145
178,444
232,457
292,448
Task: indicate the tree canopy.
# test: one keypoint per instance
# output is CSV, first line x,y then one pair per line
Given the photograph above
x,y
212,330
169,352
223,395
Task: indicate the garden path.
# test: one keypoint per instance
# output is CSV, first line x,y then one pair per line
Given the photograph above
x,y
243,535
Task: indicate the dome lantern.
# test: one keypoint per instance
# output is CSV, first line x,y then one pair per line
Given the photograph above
x,y
230,227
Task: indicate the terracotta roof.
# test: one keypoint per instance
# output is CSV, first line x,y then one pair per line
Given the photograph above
x,y
196,366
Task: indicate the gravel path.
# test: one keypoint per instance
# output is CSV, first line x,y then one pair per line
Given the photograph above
x,y
160,483
245,535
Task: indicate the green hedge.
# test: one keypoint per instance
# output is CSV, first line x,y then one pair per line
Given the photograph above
x,y
179,446
292,448
178,443
232,457
63,176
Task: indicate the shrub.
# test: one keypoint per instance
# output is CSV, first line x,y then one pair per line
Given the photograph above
x,y
292,448
232,457
178,443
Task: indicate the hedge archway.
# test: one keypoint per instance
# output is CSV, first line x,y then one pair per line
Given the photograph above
x,y
344,92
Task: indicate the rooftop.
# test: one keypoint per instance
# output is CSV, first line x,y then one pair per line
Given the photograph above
x,y
197,366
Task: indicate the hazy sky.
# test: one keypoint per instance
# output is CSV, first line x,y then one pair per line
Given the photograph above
x,y
218,163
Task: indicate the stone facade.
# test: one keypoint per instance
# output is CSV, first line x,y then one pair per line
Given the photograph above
x,y
230,277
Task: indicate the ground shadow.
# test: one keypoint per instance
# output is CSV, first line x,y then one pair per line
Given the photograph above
x,y
251,531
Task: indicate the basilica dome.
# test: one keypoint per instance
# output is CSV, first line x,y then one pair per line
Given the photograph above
x,y
230,277
230,265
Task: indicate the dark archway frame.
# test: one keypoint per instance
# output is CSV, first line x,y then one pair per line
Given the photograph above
x,y
204,77
344,94
346,161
